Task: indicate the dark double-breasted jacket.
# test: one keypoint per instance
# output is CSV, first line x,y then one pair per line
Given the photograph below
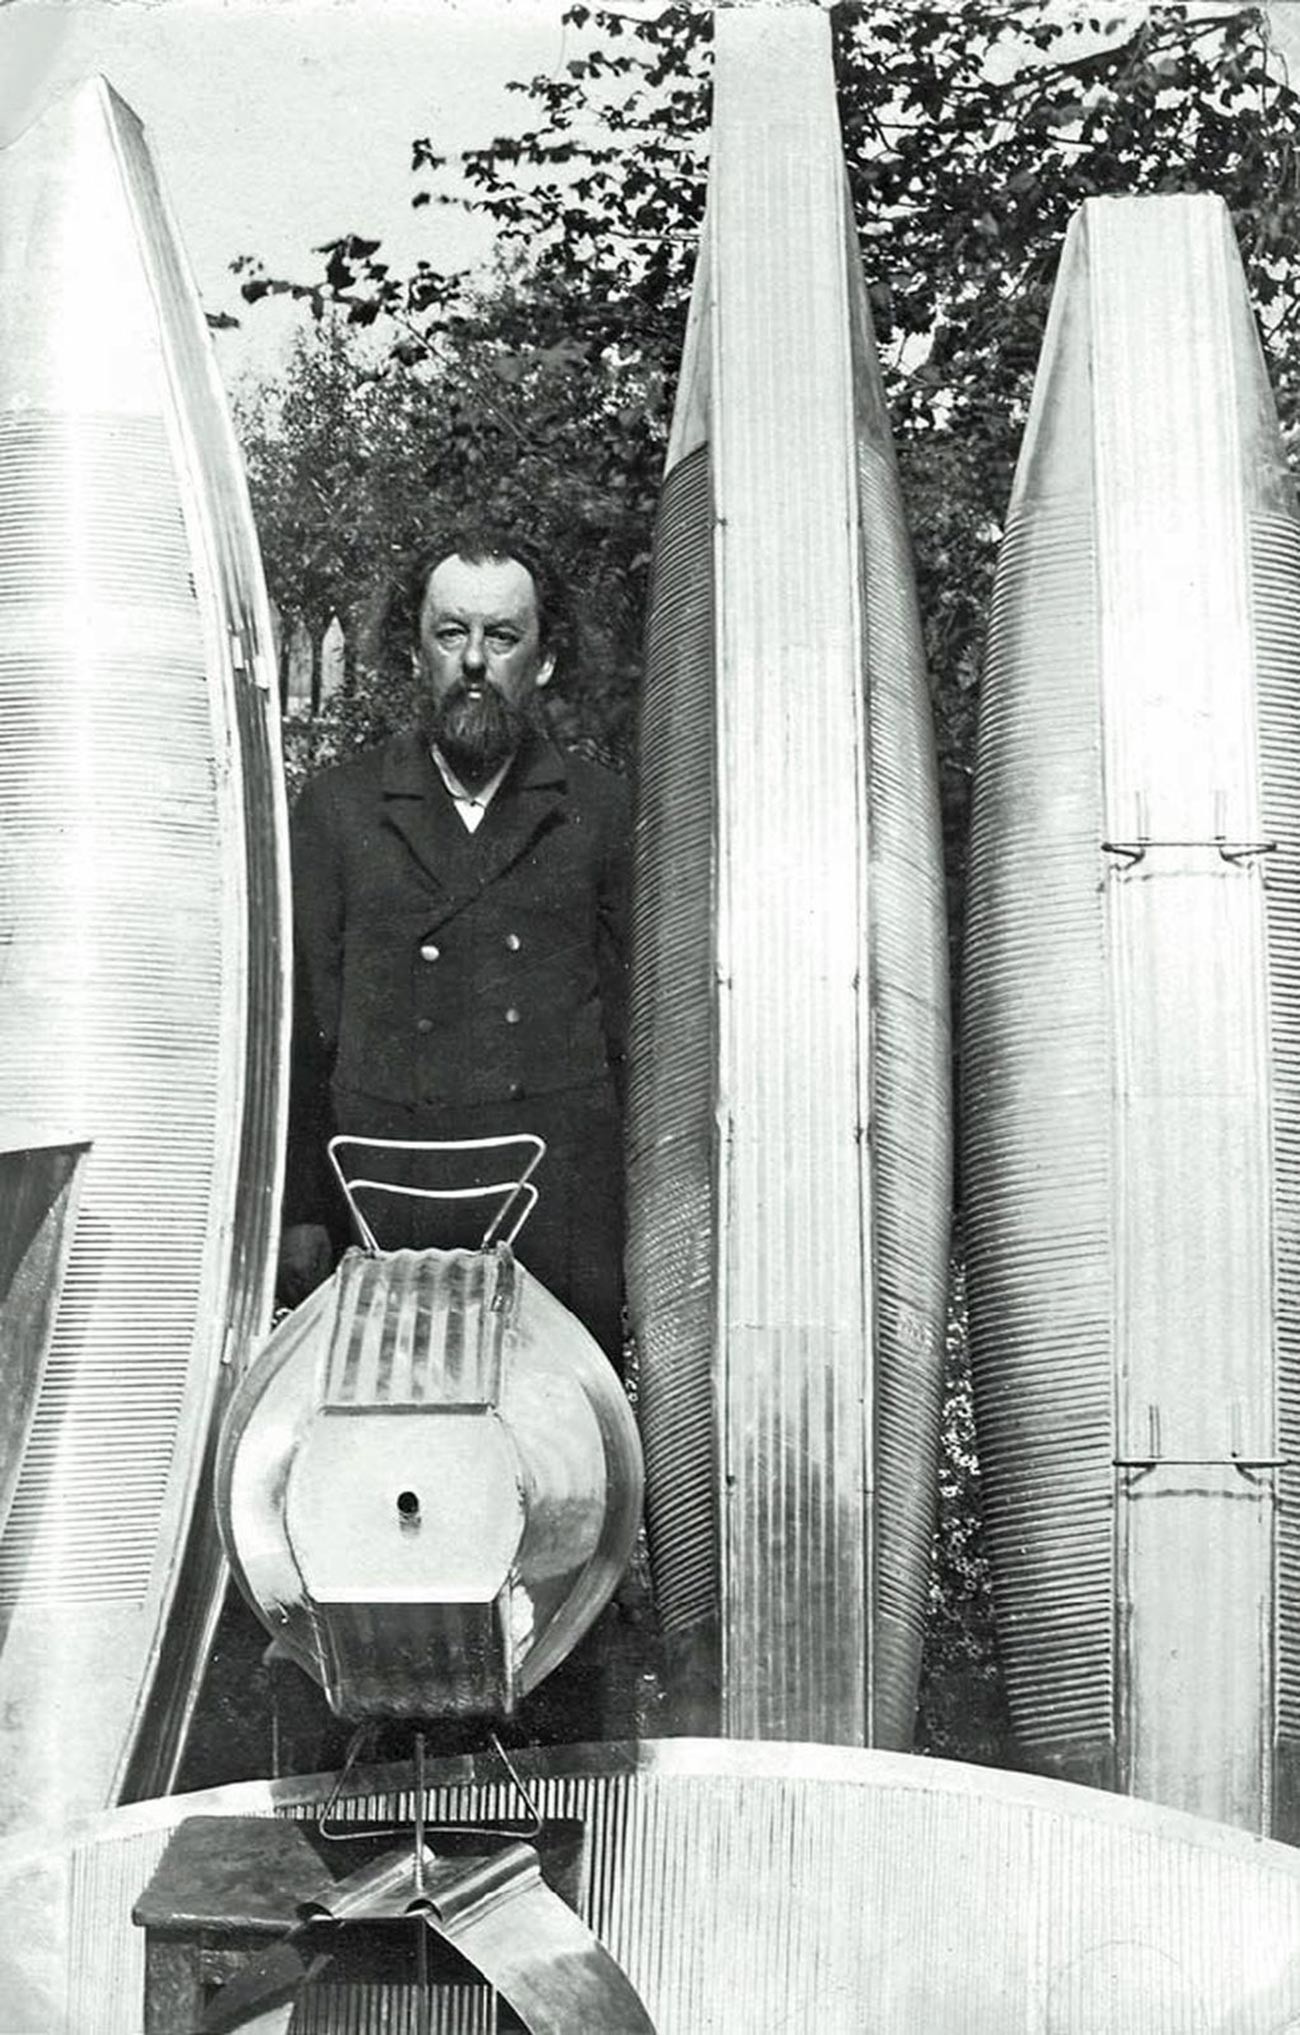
x,y
444,976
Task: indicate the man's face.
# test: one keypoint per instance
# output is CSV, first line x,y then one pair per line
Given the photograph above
x,y
479,626
481,661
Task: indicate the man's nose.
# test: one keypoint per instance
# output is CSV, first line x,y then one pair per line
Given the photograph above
x,y
475,655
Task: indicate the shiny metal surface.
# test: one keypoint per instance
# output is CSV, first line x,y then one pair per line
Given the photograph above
x,y
429,1483
1130,1050
39,1190
764,1887
788,1150
141,885
530,1946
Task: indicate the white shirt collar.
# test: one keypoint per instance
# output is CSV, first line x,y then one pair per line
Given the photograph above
x,y
471,805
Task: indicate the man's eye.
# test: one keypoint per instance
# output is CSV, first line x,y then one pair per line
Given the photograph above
x,y
449,635
502,639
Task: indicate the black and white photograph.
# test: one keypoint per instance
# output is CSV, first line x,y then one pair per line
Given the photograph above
x,y
649,1017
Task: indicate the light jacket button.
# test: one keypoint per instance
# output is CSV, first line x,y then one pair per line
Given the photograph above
x,y
429,952
514,942
512,1016
424,1024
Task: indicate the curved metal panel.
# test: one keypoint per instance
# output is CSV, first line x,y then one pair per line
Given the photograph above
x,y
788,1142
910,1110
429,1483
38,1201
1275,604
141,886
1130,1062
1035,1101
672,1057
765,1887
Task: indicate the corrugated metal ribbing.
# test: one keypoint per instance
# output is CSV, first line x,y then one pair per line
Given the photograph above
x,y
1196,1578
706,1878
910,1116
1275,602
797,1315
106,1970
246,704
411,1329
1036,1140
361,2007
709,1891
1194,1371
244,697
142,893
111,1018
672,1215
765,1256
1152,418
1176,406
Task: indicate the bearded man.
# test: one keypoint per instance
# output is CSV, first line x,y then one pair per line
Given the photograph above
x,y
460,909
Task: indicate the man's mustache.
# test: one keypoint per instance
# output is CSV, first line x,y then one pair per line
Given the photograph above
x,y
464,690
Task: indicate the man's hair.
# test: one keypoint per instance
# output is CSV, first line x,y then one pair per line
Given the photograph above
x,y
487,544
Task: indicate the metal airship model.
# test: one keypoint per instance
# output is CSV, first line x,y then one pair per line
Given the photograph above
x,y
144,1014
1132,1087
427,1478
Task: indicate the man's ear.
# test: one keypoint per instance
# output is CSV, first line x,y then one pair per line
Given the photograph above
x,y
545,669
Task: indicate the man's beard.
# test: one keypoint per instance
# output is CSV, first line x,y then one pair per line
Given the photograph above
x,y
476,735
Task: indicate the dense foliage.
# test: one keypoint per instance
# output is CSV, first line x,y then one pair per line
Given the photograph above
x,y
971,135
543,392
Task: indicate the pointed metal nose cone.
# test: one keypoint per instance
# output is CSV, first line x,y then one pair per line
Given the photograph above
x,y
78,324
143,926
1132,1035
786,1274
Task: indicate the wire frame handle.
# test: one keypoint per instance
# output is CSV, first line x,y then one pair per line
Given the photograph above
x,y
519,1191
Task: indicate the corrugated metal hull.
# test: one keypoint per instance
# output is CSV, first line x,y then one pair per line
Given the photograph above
x,y
765,1888
789,1168
1130,1050
141,887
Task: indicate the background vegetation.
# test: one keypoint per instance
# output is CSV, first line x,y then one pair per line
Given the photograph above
x,y
542,392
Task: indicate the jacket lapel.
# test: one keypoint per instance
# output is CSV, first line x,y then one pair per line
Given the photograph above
x,y
530,799
457,863
417,805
